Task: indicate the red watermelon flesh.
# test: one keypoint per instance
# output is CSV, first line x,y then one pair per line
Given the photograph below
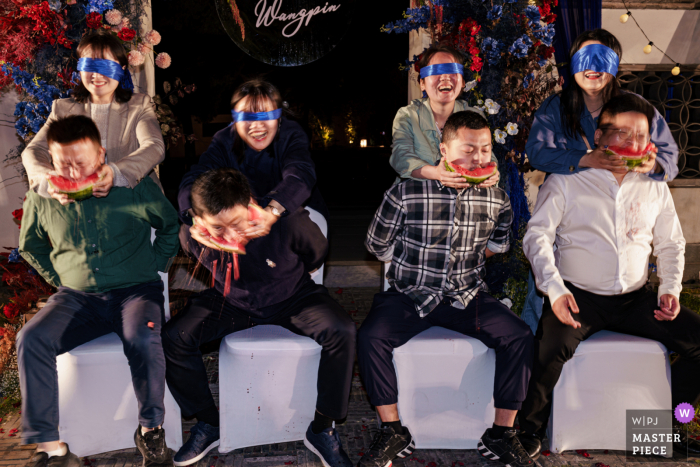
x,y
234,246
632,158
474,176
77,190
255,212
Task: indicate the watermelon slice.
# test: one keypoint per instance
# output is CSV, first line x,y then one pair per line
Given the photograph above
x,y
77,191
235,246
632,158
255,212
475,176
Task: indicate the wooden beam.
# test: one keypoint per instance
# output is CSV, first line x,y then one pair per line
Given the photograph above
x,y
657,67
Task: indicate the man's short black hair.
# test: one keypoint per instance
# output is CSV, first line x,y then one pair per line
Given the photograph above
x,y
464,119
626,102
67,130
218,190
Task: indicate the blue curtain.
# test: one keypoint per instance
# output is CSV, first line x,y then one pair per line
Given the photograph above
x,y
573,17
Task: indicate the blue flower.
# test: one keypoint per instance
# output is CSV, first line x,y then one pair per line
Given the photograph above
x,y
14,256
533,14
520,47
100,6
492,50
495,12
544,33
542,62
527,80
510,1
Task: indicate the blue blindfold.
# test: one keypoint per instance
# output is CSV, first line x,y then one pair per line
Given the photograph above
x,y
255,117
108,68
441,69
595,57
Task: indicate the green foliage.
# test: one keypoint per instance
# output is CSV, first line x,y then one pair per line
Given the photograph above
x,y
516,290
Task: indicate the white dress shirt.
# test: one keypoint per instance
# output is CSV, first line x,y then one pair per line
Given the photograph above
x,y
603,232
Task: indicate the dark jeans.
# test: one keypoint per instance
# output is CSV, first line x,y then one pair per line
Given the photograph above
x,y
71,318
631,313
207,317
393,321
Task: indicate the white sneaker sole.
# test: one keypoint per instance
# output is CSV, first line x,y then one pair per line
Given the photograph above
x,y
197,458
311,448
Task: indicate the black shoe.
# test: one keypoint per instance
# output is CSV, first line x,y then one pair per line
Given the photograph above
x,y
686,446
532,444
507,450
41,459
386,446
326,445
203,438
153,448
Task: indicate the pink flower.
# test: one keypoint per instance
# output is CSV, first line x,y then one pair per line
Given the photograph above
x,y
113,17
143,48
152,37
136,58
163,60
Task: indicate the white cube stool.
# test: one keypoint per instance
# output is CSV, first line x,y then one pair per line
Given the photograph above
x,y
445,383
609,374
98,411
267,386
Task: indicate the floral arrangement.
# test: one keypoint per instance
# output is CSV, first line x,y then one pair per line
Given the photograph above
x,y
508,68
21,287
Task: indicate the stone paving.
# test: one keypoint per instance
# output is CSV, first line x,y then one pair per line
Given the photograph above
x,y
356,433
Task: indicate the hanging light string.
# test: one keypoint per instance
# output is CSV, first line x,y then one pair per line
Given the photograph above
x,y
647,49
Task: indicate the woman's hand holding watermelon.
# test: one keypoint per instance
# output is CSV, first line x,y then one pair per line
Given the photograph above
x,y
650,164
60,197
101,188
261,223
491,181
451,179
598,159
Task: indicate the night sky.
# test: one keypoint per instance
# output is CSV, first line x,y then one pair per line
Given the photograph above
x,y
361,74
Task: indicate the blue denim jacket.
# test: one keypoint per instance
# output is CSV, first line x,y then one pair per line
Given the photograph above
x,y
549,149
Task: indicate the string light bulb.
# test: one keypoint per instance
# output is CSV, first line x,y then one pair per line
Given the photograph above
x,y
647,48
625,17
676,69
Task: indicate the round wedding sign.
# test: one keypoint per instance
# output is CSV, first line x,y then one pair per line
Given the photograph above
x,y
286,32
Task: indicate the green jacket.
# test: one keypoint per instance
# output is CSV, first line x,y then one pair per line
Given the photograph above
x,y
100,244
415,138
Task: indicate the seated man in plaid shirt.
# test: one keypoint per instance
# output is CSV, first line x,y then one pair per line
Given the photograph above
x,y
438,238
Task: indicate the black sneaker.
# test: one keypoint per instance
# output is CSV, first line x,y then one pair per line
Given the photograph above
x,y
386,446
507,450
326,445
203,438
41,459
153,448
532,444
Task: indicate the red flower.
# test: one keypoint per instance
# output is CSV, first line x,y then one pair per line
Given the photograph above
x,y
546,453
94,20
476,65
11,310
127,35
17,214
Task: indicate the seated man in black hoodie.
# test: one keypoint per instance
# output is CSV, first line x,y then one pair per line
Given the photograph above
x,y
272,286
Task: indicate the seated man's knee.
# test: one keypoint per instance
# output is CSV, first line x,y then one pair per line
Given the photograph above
x,y
31,336
143,339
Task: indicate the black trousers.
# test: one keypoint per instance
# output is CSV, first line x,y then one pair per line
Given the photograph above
x,y
631,313
393,321
311,312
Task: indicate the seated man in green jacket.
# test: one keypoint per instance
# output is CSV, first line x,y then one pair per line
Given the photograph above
x,y
98,253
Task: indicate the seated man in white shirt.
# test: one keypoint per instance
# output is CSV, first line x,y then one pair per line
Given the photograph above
x,y
604,225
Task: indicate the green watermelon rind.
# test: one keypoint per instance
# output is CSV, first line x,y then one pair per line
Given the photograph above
x,y
472,180
630,161
79,195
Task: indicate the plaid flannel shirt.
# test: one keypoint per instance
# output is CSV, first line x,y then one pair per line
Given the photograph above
x,y
436,239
